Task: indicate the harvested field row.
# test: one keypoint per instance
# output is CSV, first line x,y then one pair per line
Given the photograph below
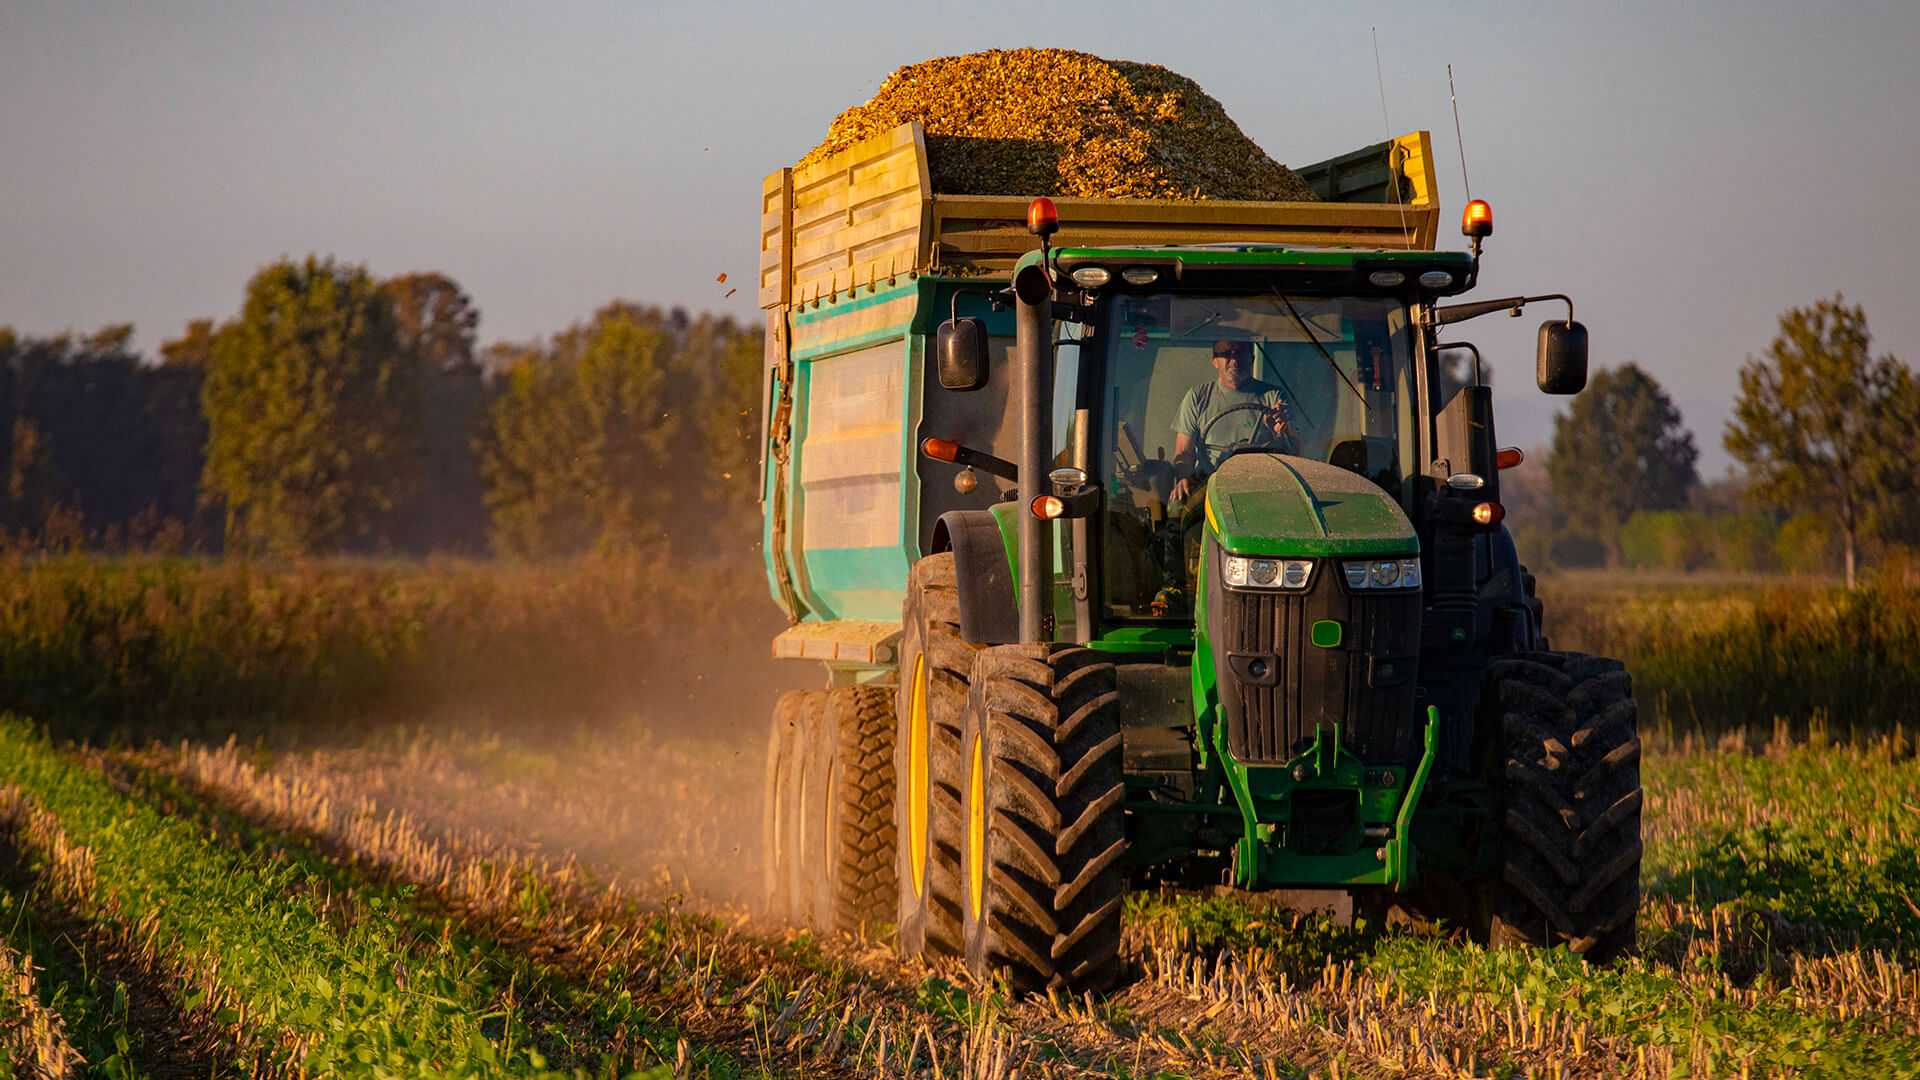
x,y
33,1037
287,976
1223,987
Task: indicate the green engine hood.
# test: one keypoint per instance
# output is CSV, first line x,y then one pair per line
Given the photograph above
x,y
1272,504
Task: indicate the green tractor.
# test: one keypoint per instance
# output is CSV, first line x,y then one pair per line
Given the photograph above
x,y
1247,615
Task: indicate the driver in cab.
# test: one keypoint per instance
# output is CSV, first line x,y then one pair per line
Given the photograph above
x,y
1232,408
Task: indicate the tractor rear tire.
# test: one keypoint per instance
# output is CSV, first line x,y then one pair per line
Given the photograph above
x,y
782,806
936,666
850,871
1570,801
1044,832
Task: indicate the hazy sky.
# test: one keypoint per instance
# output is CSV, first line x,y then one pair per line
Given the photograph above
x,y
1685,172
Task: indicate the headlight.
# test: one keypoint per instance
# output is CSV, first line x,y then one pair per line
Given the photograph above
x,y
1245,572
1383,574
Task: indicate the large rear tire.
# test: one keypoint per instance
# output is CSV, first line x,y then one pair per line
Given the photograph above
x,y
936,666
1043,812
782,806
1571,800
850,873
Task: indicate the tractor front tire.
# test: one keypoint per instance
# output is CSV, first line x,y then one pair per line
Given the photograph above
x,y
936,665
850,871
1043,819
1571,800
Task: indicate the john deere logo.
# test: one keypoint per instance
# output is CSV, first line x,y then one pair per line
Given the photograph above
x,y
1326,634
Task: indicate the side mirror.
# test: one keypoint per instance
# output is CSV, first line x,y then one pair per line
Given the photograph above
x,y
1561,367
962,354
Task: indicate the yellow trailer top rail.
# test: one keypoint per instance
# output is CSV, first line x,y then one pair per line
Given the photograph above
x,y
869,214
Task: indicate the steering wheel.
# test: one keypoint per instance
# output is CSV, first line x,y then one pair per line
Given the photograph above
x,y
1263,434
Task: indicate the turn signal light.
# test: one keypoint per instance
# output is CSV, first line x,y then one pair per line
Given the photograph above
x,y
940,449
1042,218
1488,513
1508,457
1048,507
1476,220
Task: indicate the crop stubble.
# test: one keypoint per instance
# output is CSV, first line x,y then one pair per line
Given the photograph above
x,y
1248,997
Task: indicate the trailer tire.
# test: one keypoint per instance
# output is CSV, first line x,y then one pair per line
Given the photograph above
x,y
936,666
1570,804
1044,831
851,869
782,806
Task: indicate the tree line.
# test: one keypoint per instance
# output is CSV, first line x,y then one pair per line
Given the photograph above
x,y
1823,429
340,412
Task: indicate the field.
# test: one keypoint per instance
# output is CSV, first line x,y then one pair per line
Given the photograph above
x,y
484,824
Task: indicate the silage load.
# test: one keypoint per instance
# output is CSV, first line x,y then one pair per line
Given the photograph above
x,y
1057,122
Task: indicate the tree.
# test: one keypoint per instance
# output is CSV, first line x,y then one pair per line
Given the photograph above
x,y
1823,425
437,322
1618,450
575,450
192,350
312,409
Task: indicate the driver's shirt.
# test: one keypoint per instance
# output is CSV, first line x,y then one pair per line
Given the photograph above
x,y
1209,400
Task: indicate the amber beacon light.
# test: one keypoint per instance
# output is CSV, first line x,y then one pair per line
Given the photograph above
x,y
1042,218
1476,219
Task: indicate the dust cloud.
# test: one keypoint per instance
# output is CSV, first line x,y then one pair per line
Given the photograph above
x,y
656,786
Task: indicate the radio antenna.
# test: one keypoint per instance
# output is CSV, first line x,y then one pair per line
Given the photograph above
x,y
1393,167
1457,139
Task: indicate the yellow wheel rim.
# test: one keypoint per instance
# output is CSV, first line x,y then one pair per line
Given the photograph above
x,y
917,776
977,826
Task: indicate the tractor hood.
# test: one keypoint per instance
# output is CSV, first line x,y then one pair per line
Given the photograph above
x,y
1275,504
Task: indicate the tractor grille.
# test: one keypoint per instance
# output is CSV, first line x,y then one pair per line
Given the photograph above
x,y
1278,688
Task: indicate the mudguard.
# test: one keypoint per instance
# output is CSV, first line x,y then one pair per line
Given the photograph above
x,y
989,610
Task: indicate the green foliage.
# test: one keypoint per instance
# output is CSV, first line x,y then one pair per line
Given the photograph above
x,y
630,430
312,409
1807,544
1668,539
1836,872
1620,449
192,350
358,999
575,442
1743,543
1822,424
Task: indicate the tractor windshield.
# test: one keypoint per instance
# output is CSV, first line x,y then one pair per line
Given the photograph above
x,y
1192,379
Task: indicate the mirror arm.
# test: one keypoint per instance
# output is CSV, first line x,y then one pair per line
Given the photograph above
x,y
1454,313
999,299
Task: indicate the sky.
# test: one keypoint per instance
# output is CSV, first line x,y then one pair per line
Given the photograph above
x,y
1685,172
